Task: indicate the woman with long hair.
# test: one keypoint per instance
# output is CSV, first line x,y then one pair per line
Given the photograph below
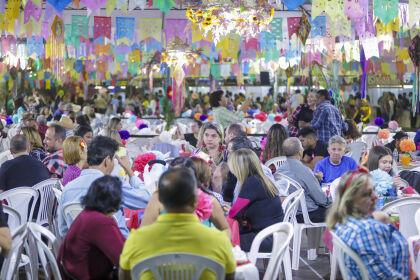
x,y
34,138
302,115
258,204
112,130
273,146
75,156
210,140
353,219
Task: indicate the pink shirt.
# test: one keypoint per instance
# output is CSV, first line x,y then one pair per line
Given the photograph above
x,y
71,173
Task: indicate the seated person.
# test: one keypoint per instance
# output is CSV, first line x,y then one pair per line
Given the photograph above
x,y
395,144
85,254
5,237
316,200
380,245
11,171
315,149
178,230
258,205
335,165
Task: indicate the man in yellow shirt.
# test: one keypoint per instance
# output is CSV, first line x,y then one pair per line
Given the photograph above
x,y
177,231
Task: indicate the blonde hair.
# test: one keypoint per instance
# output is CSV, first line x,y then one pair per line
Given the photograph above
x,y
343,206
72,149
219,129
111,130
33,137
244,163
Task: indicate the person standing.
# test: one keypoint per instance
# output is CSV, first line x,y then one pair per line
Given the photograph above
x,y
219,101
327,120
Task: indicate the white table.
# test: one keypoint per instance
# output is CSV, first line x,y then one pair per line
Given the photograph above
x,y
247,272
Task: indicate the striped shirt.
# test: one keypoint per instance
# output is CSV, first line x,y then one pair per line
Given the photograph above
x,y
226,117
382,248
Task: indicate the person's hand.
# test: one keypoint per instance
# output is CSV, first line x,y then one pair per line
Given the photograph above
x,y
125,164
382,217
226,208
246,105
243,223
319,175
397,182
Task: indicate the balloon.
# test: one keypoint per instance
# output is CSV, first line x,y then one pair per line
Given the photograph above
x,y
138,122
132,118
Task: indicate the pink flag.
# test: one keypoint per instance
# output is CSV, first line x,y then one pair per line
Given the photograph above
x,y
177,27
252,43
293,25
45,30
32,10
93,4
102,27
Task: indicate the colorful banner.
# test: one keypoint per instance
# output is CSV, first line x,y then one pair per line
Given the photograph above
x,y
176,27
150,28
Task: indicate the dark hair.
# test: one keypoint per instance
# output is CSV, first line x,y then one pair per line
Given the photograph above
x,y
352,131
274,145
104,195
399,135
375,154
240,143
198,122
82,130
59,131
215,98
177,187
324,93
237,129
19,144
183,162
83,120
100,148
306,131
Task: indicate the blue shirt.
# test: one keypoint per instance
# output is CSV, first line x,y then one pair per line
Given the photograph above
x,y
332,172
133,197
382,248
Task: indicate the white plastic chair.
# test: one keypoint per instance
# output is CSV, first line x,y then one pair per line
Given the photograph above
x,y
341,248
166,148
57,193
41,251
371,140
299,227
277,161
46,197
415,262
19,199
13,258
417,219
178,266
52,212
405,207
355,150
282,234
73,210
14,220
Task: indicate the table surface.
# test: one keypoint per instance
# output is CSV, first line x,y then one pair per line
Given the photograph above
x,y
412,165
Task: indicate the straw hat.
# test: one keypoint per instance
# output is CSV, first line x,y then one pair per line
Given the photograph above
x,y
66,122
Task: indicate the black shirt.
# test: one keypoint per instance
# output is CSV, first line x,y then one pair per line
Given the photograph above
x,y
23,171
319,151
190,138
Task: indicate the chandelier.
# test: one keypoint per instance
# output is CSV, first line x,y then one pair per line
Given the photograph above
x,y
179,53
219,18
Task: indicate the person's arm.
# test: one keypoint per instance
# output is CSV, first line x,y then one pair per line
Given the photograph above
x,y
230,116
218,218
152,211
311,163
229,187
246,105
5,237
314,190
318,118
246,196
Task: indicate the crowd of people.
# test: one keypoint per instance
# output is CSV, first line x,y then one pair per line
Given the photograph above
x,y
224,179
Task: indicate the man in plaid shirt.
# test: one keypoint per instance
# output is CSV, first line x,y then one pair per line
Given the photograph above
x,y
53,142
327,120
219,101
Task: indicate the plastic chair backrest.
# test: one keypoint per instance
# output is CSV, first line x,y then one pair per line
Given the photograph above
x,y
341,248
371,128
39,250
177,266
46,197
73,210
165,148
281,240
12,260
405,207
57,193
291,204
14,220
277,161
333,188
417,219
19,199
356,150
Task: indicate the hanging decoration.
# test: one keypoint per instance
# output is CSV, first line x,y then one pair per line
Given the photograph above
x,y
221,17
179,53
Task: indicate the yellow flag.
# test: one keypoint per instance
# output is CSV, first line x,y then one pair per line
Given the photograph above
x,y
197,34
229,47
385,67
47,84
110,6
150,28
10,83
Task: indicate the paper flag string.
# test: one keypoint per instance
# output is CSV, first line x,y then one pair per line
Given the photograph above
x,y
276,29
79,28
340,25
2,5
93,4
57,28
132,4
370,47
334,9
197,34
385,10
59,5
352,9
304,29
35,46
110,6
293,4
414,12
293,25
176,27
121,4
125,28
318,26
102,27
32,10
204,70
164,5
150,27
403,12
318,6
